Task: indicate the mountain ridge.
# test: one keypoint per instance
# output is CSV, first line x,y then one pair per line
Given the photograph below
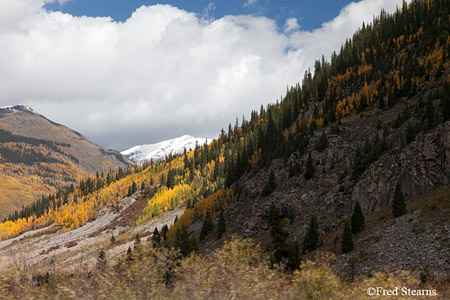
x,y
160,150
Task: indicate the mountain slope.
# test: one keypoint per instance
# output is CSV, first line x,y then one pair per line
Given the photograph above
x,y
38,156
24,121
377,116
159,151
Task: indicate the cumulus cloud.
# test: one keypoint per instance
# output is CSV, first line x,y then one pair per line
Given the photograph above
x,y
250,3
162,73
291,25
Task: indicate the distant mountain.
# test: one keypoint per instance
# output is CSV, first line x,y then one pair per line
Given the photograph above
x,y
24,121
37,156
158,151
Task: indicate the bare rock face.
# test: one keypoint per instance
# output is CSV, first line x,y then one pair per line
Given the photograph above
x,y
420,167
24,121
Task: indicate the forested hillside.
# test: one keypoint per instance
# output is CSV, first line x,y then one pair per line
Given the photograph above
x,y
38,157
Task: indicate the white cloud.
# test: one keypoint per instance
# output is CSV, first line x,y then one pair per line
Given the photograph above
x,y
250,3
291,25
162,73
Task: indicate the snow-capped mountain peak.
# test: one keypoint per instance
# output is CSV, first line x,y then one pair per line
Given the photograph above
x,y
158,151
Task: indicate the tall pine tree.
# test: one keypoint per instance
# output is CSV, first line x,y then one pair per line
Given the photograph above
x,y
398,203
357,219
311,241
347,239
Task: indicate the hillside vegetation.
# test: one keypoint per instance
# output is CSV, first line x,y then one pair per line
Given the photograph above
x,y
368,127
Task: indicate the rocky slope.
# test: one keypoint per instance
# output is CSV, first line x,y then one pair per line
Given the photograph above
x,y
421,166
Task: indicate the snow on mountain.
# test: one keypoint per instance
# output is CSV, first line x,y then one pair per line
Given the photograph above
x,y
158,151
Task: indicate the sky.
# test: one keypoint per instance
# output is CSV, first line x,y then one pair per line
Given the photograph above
x,y
129,72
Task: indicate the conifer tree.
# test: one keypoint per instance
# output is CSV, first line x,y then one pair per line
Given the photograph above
x,y
322,144
129,253
221,226
309,168
113,239
164,230
311,241
206,227
133,188
295,258
270,186
398,203
429,112
357,219
137,240
410,134
347,239
446,104
156,237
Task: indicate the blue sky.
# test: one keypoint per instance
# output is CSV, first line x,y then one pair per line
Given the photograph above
x,y
310,14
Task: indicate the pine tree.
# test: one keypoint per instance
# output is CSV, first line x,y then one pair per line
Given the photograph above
x,y
309,168
113,239
270,186
129,253
446,105
164,230
347,239
221,226
357,219
133,188
137,240
429,112
322,144
410,134
311,241
156,237
207,227
398,203
294,258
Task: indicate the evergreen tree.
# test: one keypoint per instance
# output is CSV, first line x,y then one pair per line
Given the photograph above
x,y
137,240
357,219
171,178
410,134
398,203
311,241
429,112
322,144
156,237
294,258
446,105
270,186
129,253
309,168
206,227
164,230
221,226
183,242
133,188
279,232
347,239
113,239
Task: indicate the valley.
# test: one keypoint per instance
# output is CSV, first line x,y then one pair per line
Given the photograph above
x,y
341,185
